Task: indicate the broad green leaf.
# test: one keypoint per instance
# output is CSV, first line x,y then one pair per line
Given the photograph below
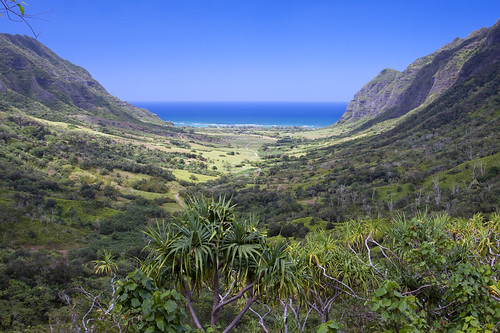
x,y
333,325
138,275
160,323
146,306
123,297
170,306
381,291
135,303
171,317
403,305
147,284
150,329
156,297
393,306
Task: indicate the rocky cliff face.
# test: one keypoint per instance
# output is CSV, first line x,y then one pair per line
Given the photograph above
x,y
34,79
392,93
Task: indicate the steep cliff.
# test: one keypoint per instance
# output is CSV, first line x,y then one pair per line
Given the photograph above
x,y
34,79
392,94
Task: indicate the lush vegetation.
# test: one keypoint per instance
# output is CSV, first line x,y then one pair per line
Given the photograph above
x,y
425,273
95,234
68,192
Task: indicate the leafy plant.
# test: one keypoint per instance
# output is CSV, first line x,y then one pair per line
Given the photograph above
x,y
399,313
330,327
147,308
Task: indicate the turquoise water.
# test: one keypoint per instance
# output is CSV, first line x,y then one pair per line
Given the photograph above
x,y
268,114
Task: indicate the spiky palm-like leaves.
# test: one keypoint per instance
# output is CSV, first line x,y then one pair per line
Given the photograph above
x,y
281,276
105,264
333,271
208,246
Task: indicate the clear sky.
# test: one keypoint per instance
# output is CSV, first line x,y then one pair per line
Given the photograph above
x,y
247,50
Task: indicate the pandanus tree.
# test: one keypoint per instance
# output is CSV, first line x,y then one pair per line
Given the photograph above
x,y
209,248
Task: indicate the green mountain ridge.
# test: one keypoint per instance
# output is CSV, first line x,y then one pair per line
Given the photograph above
x,y
392,94
37,81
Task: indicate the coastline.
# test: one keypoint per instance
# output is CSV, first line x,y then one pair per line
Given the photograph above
x,y
304,115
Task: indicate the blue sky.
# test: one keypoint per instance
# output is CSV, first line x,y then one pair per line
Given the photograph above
x,y
247,50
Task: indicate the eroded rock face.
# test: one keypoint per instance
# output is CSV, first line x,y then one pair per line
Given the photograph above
x,y
373,96
393,93
3,88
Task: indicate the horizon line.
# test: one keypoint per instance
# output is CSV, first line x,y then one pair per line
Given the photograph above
x,y
229,101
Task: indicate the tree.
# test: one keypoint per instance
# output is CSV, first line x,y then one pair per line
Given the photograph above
x,y
335,272
14,10
209,249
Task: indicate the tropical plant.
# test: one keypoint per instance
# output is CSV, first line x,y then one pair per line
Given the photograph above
x,y
208,248
335,272
443,279
147,308
106,264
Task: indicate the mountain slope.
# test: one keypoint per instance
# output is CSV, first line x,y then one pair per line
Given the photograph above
x,y
37,81
439,153
392,94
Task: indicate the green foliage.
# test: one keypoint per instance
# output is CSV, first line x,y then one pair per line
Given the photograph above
x,y
399,312
457,280
204,237
66,186
474,288
23,304
31,282
330,327
209,246
105,264
147,308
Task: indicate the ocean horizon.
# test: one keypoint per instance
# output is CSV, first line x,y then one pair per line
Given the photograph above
x,y
257,114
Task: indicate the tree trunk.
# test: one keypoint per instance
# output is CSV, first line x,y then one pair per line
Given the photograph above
x,y
285,318
187,294
216,293
242,312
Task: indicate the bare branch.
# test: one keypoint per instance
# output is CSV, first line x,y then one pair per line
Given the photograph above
x,y
15,12
194,316
350,292
222,298
88,312
444,307
261,317
370,257
416,290
296,313
235,297
382,248
242,312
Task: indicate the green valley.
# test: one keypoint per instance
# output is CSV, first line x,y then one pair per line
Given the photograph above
x,y
370,224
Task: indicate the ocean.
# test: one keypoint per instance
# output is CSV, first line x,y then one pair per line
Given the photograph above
x,y
266,114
